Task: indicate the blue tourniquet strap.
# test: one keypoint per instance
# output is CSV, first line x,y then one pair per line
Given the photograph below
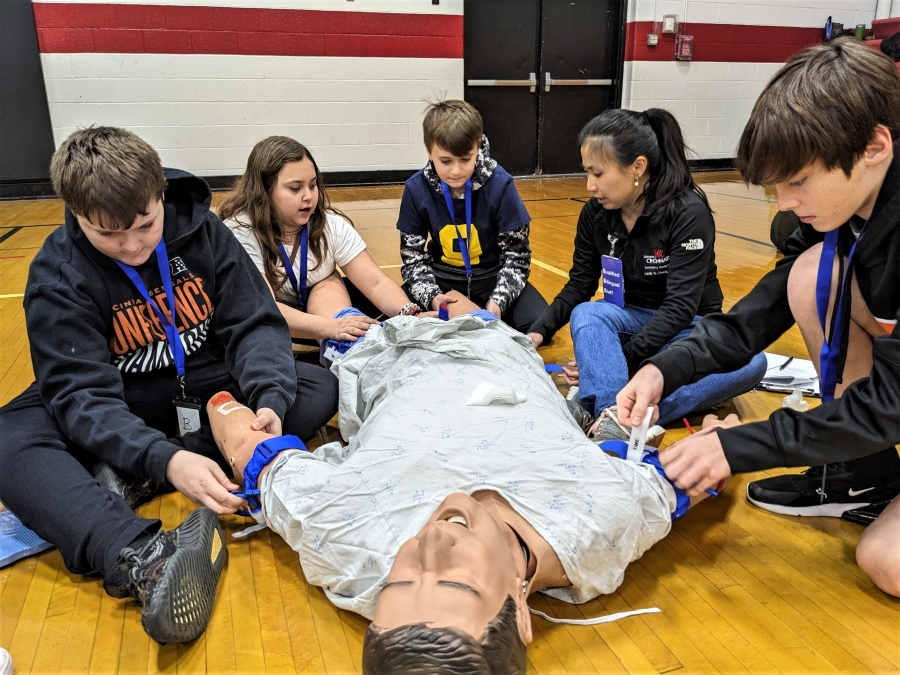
x,y
831,346
263,455
330,347
651,457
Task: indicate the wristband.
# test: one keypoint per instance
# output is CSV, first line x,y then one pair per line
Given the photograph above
x,y
409,309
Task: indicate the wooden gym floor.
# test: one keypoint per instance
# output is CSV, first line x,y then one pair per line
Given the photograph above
x,y
741,590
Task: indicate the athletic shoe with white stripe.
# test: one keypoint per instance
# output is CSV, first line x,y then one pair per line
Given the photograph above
x,y
827,490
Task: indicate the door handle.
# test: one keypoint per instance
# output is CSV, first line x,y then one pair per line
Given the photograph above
x,y
549,81
531,83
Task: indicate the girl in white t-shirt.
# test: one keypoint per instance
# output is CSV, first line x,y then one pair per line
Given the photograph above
x,y
279,211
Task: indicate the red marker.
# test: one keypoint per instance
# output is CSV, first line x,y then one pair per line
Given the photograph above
x,y
687,424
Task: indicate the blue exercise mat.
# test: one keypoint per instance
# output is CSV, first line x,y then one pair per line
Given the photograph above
x,y
17,541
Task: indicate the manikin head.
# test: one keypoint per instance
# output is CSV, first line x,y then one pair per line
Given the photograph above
x,y
822,132
452,132
113,183
454,601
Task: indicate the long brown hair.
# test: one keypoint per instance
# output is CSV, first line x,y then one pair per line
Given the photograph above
x,y
252,200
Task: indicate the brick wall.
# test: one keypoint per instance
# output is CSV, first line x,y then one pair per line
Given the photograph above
x,y
204,80
738,46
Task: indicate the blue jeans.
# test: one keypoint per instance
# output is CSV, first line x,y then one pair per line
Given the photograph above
x,y
599,329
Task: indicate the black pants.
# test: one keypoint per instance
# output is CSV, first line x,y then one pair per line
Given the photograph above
x,y
45,478
524,310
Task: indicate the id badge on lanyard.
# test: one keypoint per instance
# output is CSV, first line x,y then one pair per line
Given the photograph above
x,y
299,286
187,407
613,279
463,243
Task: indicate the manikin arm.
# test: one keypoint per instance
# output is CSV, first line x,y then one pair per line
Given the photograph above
x,y
230,422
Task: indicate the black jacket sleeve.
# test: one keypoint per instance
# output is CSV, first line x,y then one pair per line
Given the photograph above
x,y
256,338
584,279
685,281
863,421
81,388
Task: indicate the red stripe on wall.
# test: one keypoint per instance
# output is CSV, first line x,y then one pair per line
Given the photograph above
x,y
723,42
160,29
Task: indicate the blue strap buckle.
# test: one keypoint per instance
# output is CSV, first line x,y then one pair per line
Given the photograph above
x,y
651,457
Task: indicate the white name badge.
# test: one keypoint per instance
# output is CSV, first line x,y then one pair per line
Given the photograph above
x,y
187,409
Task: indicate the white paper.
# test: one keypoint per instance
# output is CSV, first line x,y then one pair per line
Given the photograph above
x,y
798,374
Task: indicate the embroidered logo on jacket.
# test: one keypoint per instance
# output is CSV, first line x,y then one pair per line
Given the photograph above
x,y
692,245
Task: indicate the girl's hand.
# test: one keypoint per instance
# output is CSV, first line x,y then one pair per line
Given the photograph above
x,y
536,339
348,328
440,298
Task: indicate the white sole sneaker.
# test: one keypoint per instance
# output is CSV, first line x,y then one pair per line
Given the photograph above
x,y
6,664
830,510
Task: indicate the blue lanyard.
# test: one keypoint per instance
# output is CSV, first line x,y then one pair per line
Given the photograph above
x,y
828,358
162,261
463,244
299,289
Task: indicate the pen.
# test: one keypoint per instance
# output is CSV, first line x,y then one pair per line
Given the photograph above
x,y
690,429
786,363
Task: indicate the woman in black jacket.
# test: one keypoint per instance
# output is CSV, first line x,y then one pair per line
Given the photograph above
x,y
648,233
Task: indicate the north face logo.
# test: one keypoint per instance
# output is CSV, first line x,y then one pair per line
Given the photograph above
x,y
693,245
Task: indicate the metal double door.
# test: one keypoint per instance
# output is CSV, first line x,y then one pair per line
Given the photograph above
x,y
538,70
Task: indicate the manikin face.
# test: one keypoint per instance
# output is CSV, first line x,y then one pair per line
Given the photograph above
x,y
612,186
295,194
453,170
827,199
457,571
132,246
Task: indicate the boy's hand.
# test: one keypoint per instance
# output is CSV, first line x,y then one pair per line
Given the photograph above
x,y
698,462
266,420
644,389
202,481
348,328
494,308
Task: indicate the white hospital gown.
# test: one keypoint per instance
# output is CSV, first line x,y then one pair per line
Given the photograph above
x,y
413,441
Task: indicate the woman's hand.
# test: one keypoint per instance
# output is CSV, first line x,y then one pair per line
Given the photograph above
x,y
494,308
267,420
570,374
348,328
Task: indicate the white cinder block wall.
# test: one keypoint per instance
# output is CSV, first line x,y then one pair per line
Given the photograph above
x,y
713,99
204,111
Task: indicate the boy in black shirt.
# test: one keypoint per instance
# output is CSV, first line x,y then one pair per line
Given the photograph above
x,y
138,309
823,133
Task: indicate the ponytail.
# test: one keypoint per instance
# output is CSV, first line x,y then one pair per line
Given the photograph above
x,y
624,135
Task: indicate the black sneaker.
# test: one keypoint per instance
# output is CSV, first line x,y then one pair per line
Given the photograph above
x,y
827,490
174,577
133,490
865,515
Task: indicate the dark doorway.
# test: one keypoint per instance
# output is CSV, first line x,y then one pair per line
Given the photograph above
x,y
26,136
537,70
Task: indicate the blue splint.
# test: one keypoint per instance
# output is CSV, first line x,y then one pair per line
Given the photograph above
x,y
651,457
263,455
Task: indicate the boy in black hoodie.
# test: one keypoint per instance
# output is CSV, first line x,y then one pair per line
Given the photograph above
x,y
823,133
138,309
